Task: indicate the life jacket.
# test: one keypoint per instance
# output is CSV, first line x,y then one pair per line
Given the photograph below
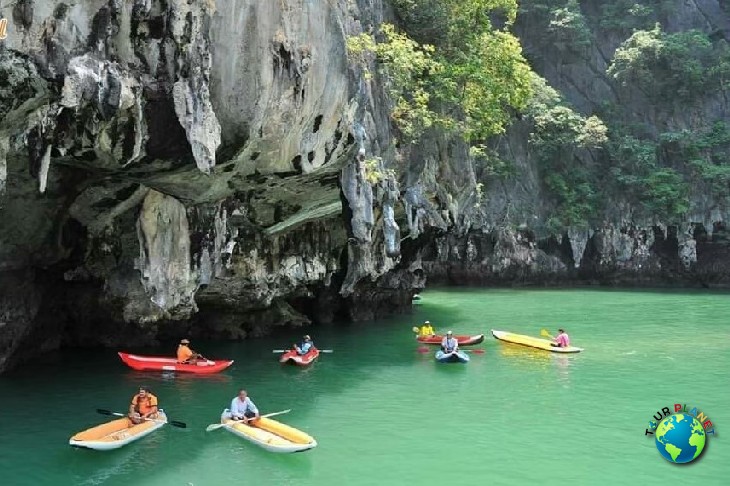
x,y
145,405
183,353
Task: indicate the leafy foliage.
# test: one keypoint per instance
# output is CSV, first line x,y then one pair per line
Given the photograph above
x,y
662,191
407,68
559,132
375,171
627,15
680,66
562,23
465,83
705,152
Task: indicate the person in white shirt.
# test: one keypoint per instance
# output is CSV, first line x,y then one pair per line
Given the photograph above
x,y
449,344
243,408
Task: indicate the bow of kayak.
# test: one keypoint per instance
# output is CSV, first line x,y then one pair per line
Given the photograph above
x,y
455,357
533,342
116,433
272,435
293,357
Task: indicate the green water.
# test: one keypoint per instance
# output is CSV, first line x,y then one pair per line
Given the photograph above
x,y
384,413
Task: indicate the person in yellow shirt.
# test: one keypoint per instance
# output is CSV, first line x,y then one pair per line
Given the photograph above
x,y
187,355
427,329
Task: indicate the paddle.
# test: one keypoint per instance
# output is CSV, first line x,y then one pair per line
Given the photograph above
x,y
218,426
287,350
545,333
201,358
175,423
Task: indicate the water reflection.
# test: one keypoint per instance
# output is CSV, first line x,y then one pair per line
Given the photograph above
x,y
562,364
98,468
525,354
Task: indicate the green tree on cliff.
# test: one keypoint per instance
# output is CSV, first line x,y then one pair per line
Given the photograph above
x,y
451,67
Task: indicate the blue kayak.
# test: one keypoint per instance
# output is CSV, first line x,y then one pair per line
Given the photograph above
x,y
456,357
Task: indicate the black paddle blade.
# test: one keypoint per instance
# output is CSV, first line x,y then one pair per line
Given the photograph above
x,y
175,423
104,412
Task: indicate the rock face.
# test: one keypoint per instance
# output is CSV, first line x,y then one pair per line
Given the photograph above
x,y
210,167
182,167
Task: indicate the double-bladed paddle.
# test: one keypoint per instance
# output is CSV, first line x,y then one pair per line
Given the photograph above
x,y
287,350
218,426
475,351
545,333
175,423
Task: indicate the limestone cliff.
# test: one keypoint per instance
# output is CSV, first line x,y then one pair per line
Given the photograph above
x,y
648,207
188,162
210,167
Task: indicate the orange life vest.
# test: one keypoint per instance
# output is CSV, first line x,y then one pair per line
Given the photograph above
x,y
144,405
183,353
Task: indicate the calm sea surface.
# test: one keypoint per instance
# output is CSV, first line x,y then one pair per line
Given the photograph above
x,y
385,413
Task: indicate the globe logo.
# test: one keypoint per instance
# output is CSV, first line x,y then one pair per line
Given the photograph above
x,y
680,438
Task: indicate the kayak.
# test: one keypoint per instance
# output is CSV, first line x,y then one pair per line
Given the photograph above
x,y
146,363
462,340
455,357
115,434
292,357
533,342
272,435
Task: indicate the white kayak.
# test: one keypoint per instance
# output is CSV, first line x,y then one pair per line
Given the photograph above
x,y
272,435
116,434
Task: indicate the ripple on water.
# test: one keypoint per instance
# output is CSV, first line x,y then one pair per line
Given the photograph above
x,y
384,413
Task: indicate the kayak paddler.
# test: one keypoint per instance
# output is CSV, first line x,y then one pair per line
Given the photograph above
x,y
242,408
562,340
186,355
143,406
427,329
449,344
305,346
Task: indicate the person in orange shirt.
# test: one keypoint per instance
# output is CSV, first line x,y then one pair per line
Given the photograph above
x,y
143,406
187,355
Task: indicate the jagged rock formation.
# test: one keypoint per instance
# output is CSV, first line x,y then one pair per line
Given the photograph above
x,y
218,167
508,240
179,165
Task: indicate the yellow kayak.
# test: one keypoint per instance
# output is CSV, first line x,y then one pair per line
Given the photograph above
x,y
533,342
272,435
115,434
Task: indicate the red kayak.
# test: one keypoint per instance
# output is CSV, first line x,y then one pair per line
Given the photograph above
x,y
293,357
462,340
159,363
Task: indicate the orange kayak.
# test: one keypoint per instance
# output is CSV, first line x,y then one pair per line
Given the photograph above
x,y
161,363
